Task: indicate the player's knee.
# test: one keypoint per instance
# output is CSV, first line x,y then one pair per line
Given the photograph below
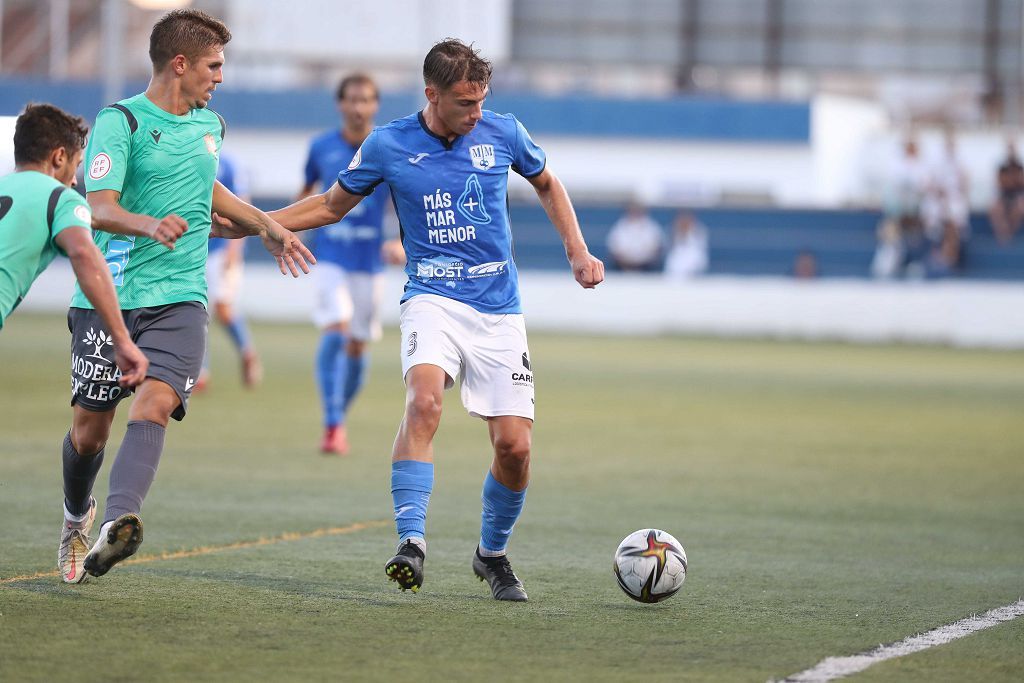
x,y
513,451
89,439
423,409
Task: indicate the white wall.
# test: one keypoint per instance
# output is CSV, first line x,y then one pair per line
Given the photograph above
x,y
988,315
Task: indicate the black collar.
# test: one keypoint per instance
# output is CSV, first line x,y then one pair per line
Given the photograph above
x,y
444,141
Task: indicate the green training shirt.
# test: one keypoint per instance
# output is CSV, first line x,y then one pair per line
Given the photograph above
x,y
34,209
166,165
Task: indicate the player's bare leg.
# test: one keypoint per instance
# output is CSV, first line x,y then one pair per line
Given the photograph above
x,y
503,497
131,476
412,472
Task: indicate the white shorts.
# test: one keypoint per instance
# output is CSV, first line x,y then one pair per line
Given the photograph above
x,y
222,281
344,297
487,351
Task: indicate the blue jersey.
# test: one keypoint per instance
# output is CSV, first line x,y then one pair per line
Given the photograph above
x,y
229,177
354,243
452,204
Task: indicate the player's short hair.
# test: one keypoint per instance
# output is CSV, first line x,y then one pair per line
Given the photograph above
x,y
451,61
42,128
188,32
356,79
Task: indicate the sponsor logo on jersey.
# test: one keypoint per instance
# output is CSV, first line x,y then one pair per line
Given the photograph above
x,y
356,160
485,269
440,268
418,158
156,135
526,361
100,166
482,156
83,214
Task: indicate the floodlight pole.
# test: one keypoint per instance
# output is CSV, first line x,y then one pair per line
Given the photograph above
x,y
112,49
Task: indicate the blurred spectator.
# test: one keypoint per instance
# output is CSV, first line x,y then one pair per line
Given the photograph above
x,y
908,183
688,254
945,214
1007,211
636,240
805,265
888,260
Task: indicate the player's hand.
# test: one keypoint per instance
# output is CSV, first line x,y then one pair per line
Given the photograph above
x,y
132,363
588,270
167,230
291,254
226,228
393,252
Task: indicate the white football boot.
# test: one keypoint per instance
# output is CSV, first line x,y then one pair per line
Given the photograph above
x,y
74,545
118,540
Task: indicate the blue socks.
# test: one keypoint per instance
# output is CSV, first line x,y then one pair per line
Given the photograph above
x,y
339,376
239,333
330,378
501,508
355,375
411,483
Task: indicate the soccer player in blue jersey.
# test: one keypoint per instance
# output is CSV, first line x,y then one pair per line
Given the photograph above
x,y
460,316
350,254
225,264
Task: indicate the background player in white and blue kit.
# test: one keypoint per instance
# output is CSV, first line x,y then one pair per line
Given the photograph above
x,y
461,316
225,267
351,255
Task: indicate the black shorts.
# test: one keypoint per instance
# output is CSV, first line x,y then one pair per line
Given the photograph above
x,y
173,337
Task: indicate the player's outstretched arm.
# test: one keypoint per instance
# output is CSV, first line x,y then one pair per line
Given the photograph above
x,y
109,216
94,278
291,254
586,268
318,210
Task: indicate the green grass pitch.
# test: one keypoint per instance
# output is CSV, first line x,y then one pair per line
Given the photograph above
x,y
830,498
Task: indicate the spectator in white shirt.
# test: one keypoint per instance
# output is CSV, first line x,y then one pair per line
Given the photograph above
x,y
636,240
688,255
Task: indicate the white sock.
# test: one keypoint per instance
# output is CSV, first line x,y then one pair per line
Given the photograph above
x,y
75,519
484,552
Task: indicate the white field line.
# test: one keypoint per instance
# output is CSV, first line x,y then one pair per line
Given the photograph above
x,y
837,667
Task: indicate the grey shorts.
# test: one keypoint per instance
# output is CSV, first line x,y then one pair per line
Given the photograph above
x,y
173,337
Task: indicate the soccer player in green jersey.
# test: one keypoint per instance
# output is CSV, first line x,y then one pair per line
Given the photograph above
x,y
41,217
154,154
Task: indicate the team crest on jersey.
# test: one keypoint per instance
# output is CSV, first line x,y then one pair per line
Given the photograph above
x,y
211,144
482,156
356,160
100,166
83,214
